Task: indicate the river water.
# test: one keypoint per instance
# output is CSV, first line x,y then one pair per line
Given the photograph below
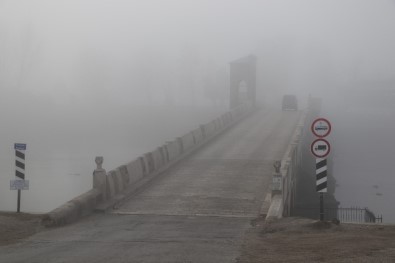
x,y
363,151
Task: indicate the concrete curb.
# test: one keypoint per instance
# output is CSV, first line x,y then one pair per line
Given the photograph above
x,y
276,207
72,210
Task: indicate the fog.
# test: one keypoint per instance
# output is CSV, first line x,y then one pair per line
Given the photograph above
x,y
117,78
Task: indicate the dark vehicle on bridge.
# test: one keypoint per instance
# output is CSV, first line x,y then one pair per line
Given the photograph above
x,y
289,102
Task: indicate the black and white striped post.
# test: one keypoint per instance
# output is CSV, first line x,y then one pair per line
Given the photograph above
x,y
321,176
320,148
20,149
321,182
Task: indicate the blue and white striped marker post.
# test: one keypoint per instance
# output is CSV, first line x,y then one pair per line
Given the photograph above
x,y
20,149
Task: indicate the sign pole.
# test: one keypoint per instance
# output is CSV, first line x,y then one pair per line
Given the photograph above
x,y
321,206
321,182
18,209
321,148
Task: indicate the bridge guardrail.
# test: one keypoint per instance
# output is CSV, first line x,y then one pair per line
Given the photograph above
x,y
345,214
282,199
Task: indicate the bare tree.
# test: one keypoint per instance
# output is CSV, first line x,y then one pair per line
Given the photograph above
x,y
20,52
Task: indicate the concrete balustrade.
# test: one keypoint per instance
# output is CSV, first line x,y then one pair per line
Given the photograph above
x,y
218,124
234,114
282,200
74,209
124,174
165,153
180,145
210,128
117,180
149,162
120,179
290,163
282,197
173,149
188,141
158,159
198,135
135,170
100,178
113,186
203,131
226,118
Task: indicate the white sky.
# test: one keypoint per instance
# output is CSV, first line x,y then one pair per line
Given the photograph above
x,y
52,36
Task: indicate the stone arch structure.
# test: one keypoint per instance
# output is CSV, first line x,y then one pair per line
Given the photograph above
x,y
243,81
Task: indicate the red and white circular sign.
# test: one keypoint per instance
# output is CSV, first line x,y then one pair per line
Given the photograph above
x,y
321,127
320,148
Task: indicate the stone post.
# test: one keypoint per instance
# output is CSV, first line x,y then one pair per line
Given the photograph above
x,y
100,178
277,179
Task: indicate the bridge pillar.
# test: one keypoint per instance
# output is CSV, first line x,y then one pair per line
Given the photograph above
x,y
100,178
243,81
277,183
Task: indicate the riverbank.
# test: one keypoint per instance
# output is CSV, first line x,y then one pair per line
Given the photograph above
x,y
306,240
285,240
17,226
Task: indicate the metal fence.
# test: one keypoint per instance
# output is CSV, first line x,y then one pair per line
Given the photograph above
x,y
356,214
345,215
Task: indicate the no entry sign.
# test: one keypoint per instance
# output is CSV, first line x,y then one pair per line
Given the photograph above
x,y
321,127
320,148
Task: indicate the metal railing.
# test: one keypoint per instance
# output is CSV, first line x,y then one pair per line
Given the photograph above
x,y
356,214
344,215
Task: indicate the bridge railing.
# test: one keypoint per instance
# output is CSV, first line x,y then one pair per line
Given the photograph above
x,y
344,214
283,200
283,193
289,167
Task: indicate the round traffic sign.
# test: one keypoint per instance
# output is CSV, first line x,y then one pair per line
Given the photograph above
x,y
320,148
321,127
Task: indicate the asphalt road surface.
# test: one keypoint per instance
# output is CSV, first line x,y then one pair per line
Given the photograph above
x,y
198,211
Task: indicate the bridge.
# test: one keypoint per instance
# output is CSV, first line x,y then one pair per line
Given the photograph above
x,y
196,210
189,200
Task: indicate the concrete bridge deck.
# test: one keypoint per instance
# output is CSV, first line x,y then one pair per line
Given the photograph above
x,y
195,212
